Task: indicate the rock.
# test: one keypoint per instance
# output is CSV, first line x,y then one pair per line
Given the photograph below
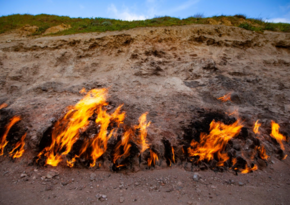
x,y
189,202
213,187
137,184
241,184
122,199
23,175
51,174
101,197
196,176
287,108
93,176
48,187
235,98
236,144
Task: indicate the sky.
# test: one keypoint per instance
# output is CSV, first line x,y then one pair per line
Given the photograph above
x,y
269,10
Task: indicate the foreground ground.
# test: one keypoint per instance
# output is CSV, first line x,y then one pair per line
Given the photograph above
x,y
22,184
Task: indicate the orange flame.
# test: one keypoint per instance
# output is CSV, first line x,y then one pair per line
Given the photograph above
x,y
99,143
20,146
143,132
152,159
225,98
214,142
83,91
256,128
124,143
66,131
249,169
173,155
3,106
3,141
262,153
277,135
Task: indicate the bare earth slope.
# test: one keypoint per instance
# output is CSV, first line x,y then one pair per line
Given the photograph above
x,y
173,73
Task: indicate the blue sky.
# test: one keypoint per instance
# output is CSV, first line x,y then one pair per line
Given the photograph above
x,y
271,10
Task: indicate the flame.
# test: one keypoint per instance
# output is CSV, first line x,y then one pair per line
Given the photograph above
x,y
71,162
66,130
100,141
225,98
143,132
214,142
122,148
83,91
277,135
256,128
262,153
20,146
3,141
152,159
173,155
3,106
249,169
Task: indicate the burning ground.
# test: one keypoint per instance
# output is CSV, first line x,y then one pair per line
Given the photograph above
x,y
178,100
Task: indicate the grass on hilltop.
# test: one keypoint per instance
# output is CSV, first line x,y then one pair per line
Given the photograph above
x,y
85,25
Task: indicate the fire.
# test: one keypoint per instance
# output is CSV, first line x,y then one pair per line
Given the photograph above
x,y
68,129
214,142
262,153
225,98
143,132
277,135
122,148
249,169
3,106
256,127
173,155
152,159
20,146
3,141
99,143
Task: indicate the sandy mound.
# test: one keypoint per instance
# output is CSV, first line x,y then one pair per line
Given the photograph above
x,y
56,29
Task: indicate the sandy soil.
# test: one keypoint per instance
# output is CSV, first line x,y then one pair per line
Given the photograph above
x,y
172,73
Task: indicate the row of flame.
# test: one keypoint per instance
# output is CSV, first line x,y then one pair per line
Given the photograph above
x,y
67,131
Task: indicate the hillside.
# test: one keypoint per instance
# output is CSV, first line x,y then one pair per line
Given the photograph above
x,y
174,74
42,22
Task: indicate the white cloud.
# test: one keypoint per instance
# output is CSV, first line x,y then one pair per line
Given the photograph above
x,y
278,20
125,14
82,6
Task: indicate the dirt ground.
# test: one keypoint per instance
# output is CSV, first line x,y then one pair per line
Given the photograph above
x,y
173,73
22,184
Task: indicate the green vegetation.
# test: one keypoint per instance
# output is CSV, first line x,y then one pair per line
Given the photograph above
x,y
85,25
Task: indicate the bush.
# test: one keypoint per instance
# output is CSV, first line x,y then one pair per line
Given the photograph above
x,y
106,23
269,27
41,30
246,26
198,15
242,16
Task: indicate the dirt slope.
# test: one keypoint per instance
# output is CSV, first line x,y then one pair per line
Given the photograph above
x,y
173,73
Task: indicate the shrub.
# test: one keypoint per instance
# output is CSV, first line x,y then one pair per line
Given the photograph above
x,y
106,23
246,26
198,15
242,16
269,27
